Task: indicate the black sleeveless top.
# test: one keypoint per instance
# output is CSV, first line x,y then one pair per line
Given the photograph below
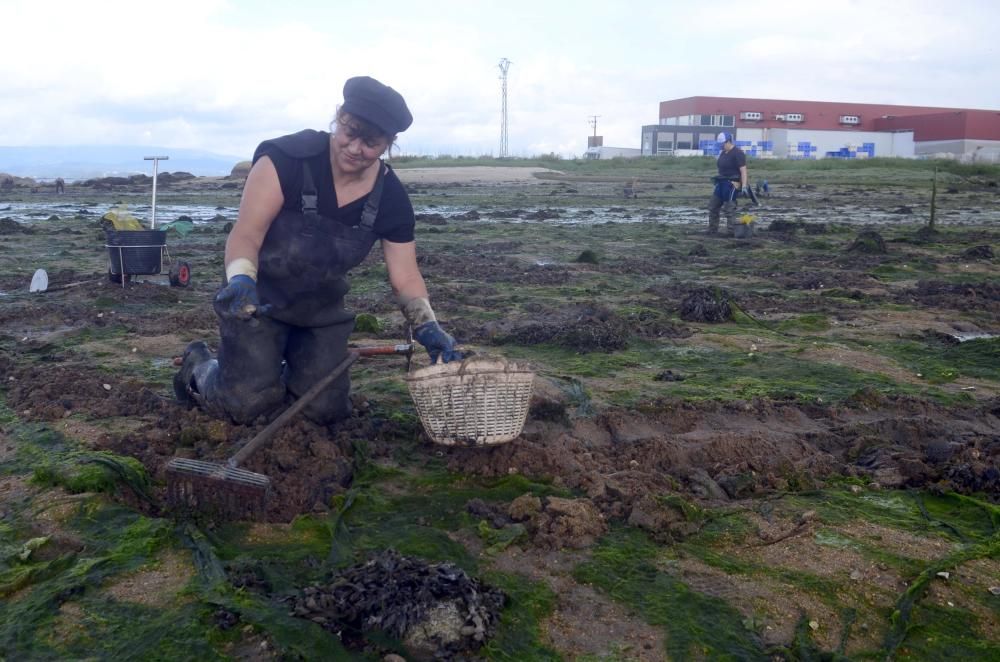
x,y
395,219
312,244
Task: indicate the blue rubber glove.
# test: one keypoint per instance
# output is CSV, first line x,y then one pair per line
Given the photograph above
x,y
437,342
238,299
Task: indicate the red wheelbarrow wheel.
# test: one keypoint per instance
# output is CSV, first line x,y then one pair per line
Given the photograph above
x,y
180,274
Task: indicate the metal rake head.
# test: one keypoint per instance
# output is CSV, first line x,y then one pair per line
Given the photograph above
x,y
217,490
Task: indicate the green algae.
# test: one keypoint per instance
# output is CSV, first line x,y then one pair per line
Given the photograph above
x,y
942,362
928,631
118,541
814,322
92,471
715,374
624,566
519,633
624,377
386,509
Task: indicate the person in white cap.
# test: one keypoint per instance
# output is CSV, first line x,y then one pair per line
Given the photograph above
x,y
729,183
313,207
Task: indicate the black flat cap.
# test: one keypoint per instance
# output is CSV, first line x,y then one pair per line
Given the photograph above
x,y
379,104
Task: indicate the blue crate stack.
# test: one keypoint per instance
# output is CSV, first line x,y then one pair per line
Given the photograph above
x,y
803,150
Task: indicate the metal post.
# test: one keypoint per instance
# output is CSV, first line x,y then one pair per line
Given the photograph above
x,y
504,66
156,160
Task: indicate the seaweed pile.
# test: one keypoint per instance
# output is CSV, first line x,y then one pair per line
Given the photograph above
x,y
436,609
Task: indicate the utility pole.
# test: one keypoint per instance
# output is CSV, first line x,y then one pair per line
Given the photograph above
x,y
593,123
504,65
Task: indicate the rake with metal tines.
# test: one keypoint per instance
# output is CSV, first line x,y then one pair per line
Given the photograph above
x,y
225,490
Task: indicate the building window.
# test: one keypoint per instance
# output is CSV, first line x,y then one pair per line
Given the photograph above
x,y
728,120
706,120
664,145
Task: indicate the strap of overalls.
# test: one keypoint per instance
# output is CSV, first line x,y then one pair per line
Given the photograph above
x,y
374,200
310,200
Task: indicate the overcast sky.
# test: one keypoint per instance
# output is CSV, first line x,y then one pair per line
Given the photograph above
x,y
223,75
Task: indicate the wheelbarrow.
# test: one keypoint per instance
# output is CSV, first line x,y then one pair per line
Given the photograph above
x,y
142,252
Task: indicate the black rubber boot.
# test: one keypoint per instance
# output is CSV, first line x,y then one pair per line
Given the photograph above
x,y
195,354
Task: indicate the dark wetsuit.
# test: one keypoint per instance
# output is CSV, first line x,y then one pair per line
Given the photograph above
x,y
302,276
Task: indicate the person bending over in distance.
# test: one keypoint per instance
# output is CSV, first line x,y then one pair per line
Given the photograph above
x,y
729,183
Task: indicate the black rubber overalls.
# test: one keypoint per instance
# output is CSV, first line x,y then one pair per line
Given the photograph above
x,y
302,275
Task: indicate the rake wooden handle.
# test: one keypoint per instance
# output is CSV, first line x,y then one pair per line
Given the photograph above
x,y
405,349
264,436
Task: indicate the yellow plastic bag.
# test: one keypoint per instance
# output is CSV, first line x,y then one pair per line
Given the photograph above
x,y
121,219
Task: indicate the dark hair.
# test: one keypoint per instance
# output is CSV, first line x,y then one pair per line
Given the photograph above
x,y
367,130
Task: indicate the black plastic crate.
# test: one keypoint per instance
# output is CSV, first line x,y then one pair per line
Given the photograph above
x,y
141,251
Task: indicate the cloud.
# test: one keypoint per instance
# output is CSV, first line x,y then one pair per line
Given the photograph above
x,y
223,76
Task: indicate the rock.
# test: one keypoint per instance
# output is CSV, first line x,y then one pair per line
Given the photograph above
x,y
669,376
666,520
392,657
574,523
706,305
431,219
440,629
492,513
781,225
437,610
739,486
549,402
704,486
524,507
984,252
870,242
241,169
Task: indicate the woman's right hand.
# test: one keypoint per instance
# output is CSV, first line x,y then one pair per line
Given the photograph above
x,y
238,299
437,342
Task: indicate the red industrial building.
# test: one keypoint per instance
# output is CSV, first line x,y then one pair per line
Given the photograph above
x,y
782,128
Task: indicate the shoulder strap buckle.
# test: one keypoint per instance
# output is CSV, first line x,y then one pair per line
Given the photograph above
x,y
310,201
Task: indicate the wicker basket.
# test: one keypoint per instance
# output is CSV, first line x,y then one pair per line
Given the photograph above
x,y
475,402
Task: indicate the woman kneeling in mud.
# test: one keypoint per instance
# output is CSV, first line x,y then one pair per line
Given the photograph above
x,y
313,206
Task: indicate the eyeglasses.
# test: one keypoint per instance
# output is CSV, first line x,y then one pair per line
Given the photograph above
x,y
352,132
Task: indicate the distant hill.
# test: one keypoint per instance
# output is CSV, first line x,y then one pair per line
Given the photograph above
x,y
78,162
